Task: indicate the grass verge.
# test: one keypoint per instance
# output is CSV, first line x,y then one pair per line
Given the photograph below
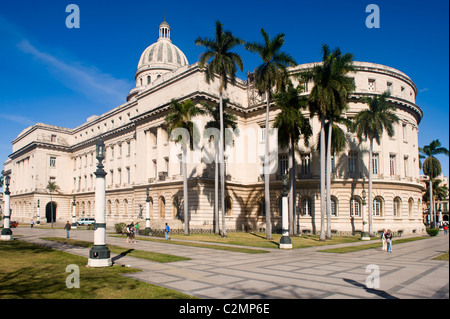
x,y
201,245
124,251
29,271
259,240
441,257
349,249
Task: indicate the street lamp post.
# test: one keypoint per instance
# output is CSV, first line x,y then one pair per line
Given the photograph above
x,y
6,231
38,221
99,255
147,212
74,217
364,234
285,241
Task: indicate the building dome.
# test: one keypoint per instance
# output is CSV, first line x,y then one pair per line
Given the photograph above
x,y
159,58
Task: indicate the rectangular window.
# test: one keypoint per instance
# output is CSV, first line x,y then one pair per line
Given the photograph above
x,y
53,138
375,164
119,175
402,92
155,169
128,176
392,164
306,163
52,161
371,86
389,87
111,173
166,162
352,162
263,133
283,164
405,163
405,131
354,207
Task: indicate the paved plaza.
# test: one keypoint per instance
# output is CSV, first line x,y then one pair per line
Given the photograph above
x,y
407,273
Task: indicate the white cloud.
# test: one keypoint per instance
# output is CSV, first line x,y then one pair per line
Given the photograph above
x,y
17,119
423,90
85,80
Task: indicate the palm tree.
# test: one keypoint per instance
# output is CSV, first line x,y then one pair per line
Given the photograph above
x,y
371,123
328,98
272,73
180,116
229,121
52,187
337,145
439,191
291,125
431,166
223,63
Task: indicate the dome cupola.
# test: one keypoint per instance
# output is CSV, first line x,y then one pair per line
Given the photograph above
x,y
159,58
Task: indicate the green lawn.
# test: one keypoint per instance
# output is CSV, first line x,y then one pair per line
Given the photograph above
x,y
442,257
259,240
29,271
350,249
153,256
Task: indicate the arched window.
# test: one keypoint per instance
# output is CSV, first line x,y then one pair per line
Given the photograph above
x,y
148,79
377,206
262,207
397,207
175,208
228,206
116,207
410,206
125,207
162,207
108,207
355,207
334,206
305,206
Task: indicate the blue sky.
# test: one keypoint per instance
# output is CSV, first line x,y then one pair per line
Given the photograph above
x,y
60,76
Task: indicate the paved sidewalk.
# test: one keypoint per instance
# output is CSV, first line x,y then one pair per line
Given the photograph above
x,y
408,272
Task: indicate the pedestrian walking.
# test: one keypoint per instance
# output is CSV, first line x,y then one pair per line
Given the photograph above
x,y
67,227
137,228
132,233
166,231
445,229
389,241
128,232
383,240
31,223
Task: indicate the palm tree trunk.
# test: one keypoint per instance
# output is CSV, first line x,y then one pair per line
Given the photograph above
x,y
266,174
185,193
291,186
322,179
51,208
222,166
370,204
431,203
328,177
216,190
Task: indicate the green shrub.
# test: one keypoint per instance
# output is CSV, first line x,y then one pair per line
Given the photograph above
x,y
119,227
433,231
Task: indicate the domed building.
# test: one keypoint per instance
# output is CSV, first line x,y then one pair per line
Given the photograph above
x,y
140,157
159,58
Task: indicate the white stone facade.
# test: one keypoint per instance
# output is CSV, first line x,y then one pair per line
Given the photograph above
x,y
140,155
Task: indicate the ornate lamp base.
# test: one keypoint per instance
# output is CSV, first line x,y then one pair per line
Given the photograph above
x,y
99,256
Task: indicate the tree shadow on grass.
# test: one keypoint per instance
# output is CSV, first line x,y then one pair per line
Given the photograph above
x,y
264,237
